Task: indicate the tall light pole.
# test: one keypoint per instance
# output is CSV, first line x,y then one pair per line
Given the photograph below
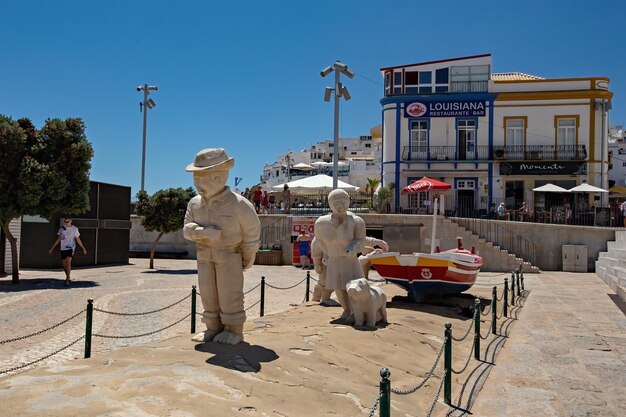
x,y
288,160
144,105
340,91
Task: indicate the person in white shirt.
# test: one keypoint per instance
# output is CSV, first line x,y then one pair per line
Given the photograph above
x,y
68,236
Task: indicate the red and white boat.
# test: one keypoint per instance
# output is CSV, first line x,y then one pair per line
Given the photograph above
x,y
436,273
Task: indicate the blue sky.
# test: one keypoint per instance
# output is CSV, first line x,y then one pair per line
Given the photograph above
x,y
244,75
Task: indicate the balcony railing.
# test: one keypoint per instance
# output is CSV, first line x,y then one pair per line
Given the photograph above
x,y
501,153
445,153
468,86
540,152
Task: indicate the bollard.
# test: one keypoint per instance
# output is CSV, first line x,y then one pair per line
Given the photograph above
x,y
505,295
519,294
88,323
522,280
193,309
494,308
477,329
512,289
447,360
308,285
385,393
262,308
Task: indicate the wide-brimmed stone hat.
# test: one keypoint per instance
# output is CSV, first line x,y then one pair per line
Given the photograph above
x,y
211,158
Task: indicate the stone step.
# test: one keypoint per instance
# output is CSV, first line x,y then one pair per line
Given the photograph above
x,y
613,275
617,245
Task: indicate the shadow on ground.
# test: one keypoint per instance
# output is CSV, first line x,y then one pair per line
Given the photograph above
x,y
241,357
44,284
451,306
171,271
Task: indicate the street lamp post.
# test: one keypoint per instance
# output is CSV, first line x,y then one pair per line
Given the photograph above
x,y
147,103
288,160
340,91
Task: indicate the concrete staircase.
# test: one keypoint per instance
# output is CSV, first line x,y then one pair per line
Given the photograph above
x,y
496,259
611,265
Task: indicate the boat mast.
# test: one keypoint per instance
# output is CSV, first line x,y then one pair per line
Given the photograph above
x,y
434,234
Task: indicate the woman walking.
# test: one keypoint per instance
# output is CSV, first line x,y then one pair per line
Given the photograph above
x,y
68,236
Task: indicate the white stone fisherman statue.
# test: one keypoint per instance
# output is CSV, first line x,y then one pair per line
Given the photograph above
x,y
338,236
226,230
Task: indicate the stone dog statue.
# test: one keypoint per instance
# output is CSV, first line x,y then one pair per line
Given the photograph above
x,y
368,303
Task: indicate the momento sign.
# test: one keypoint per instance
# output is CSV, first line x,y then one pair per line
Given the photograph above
x,y
445,109
543,168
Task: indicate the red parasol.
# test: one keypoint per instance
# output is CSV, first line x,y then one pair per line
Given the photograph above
x,y
426,184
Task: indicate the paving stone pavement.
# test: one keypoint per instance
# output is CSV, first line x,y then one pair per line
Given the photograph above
x,y
42,301
565,354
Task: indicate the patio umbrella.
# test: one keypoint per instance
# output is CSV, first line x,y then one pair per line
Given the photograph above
x,y
426,184
550,188
587,188
302,167
315,184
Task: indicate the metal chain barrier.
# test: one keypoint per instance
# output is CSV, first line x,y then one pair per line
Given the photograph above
x,y
375,406
432,406
486,311
141,314
252,289
466,363
488,330
246,309
15,368
466,333
285,288
426,378
44,330
143,334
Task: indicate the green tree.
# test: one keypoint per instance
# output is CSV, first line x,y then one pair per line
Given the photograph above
x,y
385,196
164,212
370,189
42,172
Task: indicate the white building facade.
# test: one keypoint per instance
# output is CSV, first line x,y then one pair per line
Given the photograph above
x,y
359,159
494,137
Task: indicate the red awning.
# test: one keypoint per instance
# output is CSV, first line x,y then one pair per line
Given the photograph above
x,y
426,184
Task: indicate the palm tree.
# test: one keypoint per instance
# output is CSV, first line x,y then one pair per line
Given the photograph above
x,y
370,188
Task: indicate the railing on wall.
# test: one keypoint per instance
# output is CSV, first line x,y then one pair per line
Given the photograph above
x,y
276,232
501,236
498,152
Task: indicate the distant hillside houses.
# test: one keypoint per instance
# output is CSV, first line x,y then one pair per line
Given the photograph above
x,y
359,159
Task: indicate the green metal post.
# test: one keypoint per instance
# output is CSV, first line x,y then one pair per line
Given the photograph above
x,y
88,323
447,360
193,309
385,393
512,289
477,329
494,309
522,280
519,293
308,285
262,297
505,301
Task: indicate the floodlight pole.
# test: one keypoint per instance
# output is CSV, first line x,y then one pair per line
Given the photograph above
x,y
143,146
144,107
336,130
340,91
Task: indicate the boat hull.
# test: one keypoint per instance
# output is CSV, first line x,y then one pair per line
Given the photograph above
x,y
424,275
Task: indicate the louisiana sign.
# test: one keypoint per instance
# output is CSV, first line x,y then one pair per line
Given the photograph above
x,y
445,109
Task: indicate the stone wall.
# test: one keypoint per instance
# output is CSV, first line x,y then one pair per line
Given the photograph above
x,y
411,233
